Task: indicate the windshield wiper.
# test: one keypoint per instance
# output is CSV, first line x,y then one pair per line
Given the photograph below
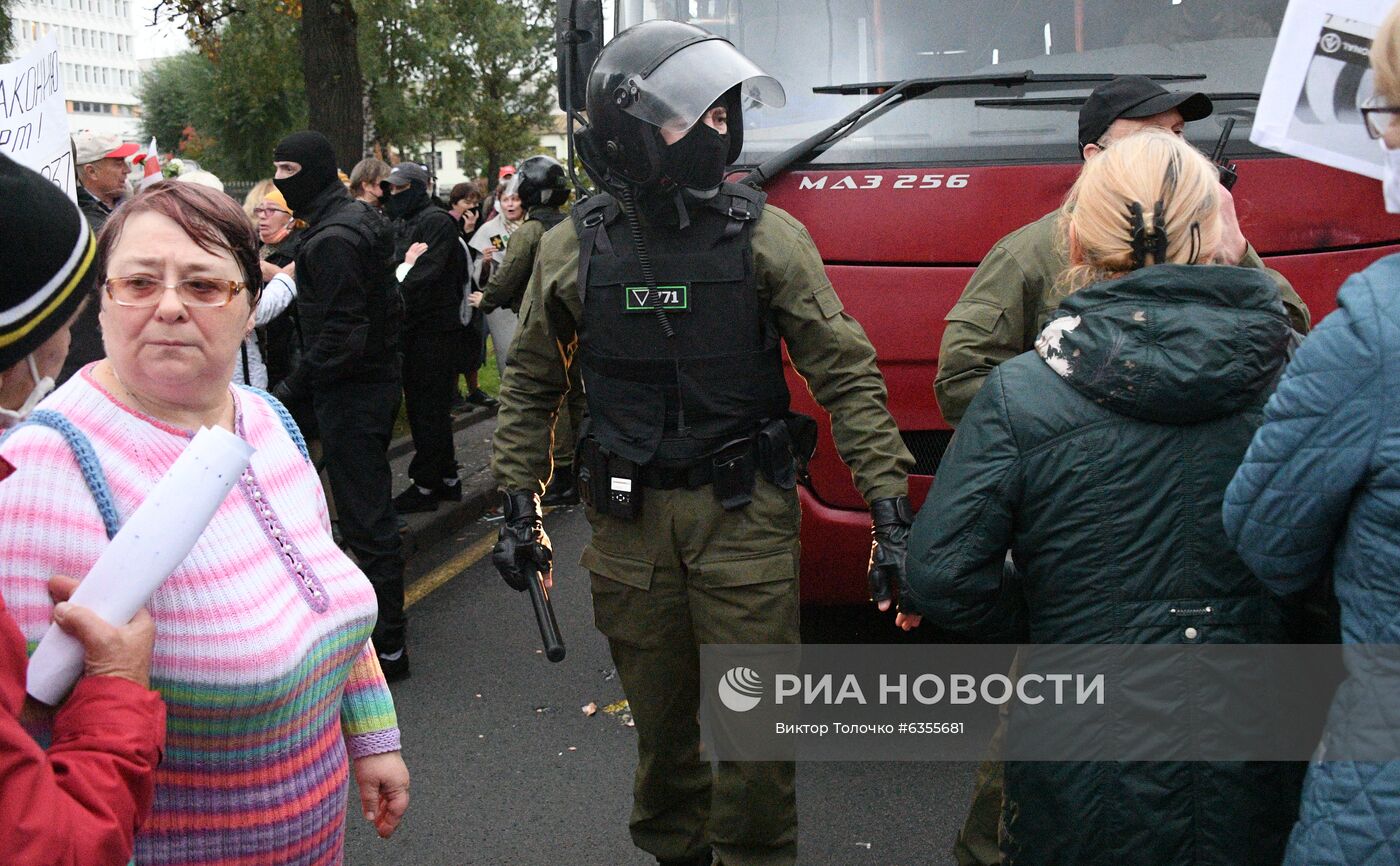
x,y
920,86
1077,101
892,93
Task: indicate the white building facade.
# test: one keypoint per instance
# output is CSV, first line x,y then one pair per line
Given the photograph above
x,y
97,55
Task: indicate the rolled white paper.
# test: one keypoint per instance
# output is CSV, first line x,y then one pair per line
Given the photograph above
x,y
152,543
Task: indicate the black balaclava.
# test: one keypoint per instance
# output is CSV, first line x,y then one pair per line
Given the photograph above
x,y
317,158
400,205
697,161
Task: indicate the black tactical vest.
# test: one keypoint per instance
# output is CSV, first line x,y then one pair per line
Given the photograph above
x,y
672,399
373,235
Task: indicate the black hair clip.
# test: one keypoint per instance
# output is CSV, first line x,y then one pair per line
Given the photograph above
x,y
1144,243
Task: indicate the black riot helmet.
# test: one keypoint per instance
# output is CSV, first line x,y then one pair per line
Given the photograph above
x,y
540,180
663,74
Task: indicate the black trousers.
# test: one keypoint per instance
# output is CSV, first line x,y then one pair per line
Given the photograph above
x,y
356,421
430,368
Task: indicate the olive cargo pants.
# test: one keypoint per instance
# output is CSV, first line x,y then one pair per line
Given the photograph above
x,y
686,573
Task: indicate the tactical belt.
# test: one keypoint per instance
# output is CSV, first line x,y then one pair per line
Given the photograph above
x,y
704,470
779,451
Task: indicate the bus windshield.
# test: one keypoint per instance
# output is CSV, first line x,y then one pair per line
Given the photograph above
x,y
821,43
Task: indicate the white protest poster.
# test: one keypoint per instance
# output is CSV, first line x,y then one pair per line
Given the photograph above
x,y
33,120
1319,77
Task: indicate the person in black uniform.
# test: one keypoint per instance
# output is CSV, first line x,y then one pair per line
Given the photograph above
x,y
433,336
350,312
674,293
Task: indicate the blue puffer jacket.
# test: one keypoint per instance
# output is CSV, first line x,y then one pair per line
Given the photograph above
x,y
1320,489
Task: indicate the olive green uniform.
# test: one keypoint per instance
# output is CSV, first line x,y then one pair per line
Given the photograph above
x,y
686,572
1001,312
506,288
1010,298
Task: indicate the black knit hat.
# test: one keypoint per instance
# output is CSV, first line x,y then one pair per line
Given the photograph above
x,y
46,250
313,152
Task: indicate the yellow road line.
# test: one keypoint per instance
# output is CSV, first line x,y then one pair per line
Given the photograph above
x,y
434,579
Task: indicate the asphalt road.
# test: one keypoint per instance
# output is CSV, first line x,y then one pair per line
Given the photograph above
x,y
507,769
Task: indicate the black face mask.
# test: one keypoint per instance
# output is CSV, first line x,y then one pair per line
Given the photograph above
x,y
698,160
313,151
399,205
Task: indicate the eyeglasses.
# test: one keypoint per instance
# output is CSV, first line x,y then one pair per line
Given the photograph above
x,y
261,211
1378,116
195,292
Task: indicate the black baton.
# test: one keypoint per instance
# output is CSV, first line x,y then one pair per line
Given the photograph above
x,y
544,617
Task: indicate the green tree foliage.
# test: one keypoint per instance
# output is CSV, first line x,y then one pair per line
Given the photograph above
x,y
172,94
496,77
398,39
7,32
240,102
481,71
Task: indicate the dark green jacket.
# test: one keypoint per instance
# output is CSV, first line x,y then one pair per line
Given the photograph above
x,y
1009,299
1105,481
506,287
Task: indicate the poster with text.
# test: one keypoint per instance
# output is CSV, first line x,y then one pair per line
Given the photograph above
x,y
1319,77
33,120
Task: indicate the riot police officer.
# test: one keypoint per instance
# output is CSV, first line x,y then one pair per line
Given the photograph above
x,y
543,187
674,293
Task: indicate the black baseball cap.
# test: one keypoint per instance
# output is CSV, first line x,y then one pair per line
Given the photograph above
x,y
406,173
1134,96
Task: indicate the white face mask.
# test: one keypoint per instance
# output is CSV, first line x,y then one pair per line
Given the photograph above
x,y
42,387
1391,182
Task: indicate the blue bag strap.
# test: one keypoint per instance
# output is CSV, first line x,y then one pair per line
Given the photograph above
x,y
93,476
288,423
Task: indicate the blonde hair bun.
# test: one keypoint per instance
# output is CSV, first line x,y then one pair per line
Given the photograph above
x,y
1122,189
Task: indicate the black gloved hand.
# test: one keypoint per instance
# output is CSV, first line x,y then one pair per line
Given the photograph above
x,y
522,547
891,518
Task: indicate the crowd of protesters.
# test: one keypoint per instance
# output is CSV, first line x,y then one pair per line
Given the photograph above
x,y
1145,429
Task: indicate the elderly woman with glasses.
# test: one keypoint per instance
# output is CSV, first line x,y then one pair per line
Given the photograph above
x,y
273,690
268,352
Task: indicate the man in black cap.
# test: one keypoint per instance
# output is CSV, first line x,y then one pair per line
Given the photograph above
x,y
350,312
433,335
1009,298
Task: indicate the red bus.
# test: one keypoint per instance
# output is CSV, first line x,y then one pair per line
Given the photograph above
x,y
969,132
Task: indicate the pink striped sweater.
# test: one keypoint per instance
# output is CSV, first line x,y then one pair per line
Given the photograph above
x,y
262,648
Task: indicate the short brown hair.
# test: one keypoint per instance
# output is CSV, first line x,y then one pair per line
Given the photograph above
x,y
466,189
210,218
368,170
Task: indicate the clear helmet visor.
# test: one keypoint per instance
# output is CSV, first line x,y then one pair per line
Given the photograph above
x,y
677,92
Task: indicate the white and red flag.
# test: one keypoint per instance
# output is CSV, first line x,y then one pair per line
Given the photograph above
x,y
150,162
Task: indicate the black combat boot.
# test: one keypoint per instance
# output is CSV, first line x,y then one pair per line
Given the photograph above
x,y
704,858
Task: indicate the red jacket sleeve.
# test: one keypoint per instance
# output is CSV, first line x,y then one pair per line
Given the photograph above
x,y
82,801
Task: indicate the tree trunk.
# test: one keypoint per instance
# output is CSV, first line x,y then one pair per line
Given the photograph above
x,y
330,63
